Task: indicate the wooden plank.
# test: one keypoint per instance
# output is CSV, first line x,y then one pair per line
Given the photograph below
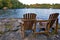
x,y
56,29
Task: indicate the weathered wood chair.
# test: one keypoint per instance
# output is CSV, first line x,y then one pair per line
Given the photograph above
x,y
53,18
28,20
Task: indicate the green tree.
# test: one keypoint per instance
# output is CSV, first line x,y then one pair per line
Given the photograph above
x,y
11,4
56,6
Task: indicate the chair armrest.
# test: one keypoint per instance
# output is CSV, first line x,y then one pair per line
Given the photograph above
x,y
45,20
42,20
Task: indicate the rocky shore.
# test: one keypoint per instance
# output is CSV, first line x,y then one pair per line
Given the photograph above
x,y
10,30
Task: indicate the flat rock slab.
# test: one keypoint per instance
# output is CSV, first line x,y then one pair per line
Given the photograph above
x,y
16,35
11,36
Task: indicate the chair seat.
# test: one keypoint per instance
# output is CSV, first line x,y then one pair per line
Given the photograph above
x,y
43,29
39,29
43,25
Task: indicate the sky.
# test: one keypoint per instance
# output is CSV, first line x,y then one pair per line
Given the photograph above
x,y
40,1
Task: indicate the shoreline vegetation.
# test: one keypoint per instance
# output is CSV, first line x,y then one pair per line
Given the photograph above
x,y
15,4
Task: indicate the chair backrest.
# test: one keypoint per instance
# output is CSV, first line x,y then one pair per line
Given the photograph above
x,y
29,16
29,23
53,17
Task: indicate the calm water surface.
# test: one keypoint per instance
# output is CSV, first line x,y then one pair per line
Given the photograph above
x,y
18,13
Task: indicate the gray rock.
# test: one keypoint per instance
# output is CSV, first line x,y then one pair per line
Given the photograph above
x,y
7,29
11,36
42,37
2,28
15,28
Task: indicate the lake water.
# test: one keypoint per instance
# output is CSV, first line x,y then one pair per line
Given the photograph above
x,y
18,13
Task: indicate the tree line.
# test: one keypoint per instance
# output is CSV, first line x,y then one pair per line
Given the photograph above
x,y
11,4
54,6
14,4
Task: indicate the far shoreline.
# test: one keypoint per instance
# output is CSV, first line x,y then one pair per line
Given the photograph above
x,y
30,8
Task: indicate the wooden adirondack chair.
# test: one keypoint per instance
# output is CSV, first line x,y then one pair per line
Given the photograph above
x,y
53,18
28,22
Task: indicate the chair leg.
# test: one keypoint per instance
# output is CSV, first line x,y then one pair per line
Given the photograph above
x,y
23,34
56,29
47,33
34,34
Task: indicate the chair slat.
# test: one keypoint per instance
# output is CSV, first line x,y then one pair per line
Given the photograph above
x,y
51,17
28,24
